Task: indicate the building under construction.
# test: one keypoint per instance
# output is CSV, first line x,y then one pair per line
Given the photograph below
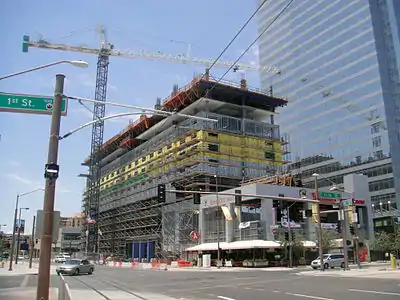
x,y
184,154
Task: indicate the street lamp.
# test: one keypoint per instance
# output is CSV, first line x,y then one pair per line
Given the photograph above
x,y
15,223
76,63
321,250
19,231
104,119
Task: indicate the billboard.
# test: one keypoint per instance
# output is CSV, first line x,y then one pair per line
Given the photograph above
x,y
21,225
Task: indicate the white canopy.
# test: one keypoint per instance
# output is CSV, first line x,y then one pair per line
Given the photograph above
x,y
253,244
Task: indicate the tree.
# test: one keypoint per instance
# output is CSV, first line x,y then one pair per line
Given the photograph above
x,y
297,244
328,238
383,241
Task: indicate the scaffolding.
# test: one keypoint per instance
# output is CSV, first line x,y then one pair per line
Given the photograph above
x,y
185,154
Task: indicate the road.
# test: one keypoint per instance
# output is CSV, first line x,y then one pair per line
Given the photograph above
x,y
255,285
21,287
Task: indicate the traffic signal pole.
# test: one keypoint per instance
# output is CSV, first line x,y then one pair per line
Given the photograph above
x,y
344,235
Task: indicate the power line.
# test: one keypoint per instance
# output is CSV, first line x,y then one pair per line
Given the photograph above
x,y
256,40
237,34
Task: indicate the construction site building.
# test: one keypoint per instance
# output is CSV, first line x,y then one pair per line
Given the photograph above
x,y
184,154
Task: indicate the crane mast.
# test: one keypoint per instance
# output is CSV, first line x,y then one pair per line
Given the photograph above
x,y
99,110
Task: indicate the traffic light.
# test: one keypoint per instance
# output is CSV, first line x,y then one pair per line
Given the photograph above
x,y
308,213
339,227
293,236
196,199
161,193
286,236
238,197
352,229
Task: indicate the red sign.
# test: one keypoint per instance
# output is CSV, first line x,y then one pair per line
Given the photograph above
x,y
194,235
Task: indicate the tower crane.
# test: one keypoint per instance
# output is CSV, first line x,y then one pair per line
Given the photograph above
x,y
104,52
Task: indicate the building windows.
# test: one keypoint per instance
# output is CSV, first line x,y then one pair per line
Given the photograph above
x,y
381,185
376,142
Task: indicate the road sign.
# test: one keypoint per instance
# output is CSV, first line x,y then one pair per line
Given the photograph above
x,y
329,195
29,104
194,235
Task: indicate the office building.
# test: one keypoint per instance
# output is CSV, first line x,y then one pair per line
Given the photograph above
x,y
339,63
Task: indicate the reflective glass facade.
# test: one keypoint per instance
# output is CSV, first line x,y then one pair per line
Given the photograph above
x,y
340,73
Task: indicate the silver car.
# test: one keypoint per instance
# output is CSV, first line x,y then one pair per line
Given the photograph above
x,y
75,267
330,261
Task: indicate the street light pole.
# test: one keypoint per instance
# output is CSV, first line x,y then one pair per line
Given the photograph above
x,y
218,224
50,188
19,232
15,223
13,234
321,250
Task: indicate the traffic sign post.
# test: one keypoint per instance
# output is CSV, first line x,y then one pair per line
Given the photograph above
x,y
30,104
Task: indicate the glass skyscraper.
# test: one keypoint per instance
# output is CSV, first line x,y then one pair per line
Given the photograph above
x,y
339,62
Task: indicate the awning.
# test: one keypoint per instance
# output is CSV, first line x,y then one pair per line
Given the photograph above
x,y
253,244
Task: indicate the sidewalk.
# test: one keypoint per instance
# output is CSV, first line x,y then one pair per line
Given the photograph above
x,y
22,268
371,271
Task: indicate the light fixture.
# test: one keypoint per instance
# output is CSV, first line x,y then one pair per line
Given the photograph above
x,y
78,63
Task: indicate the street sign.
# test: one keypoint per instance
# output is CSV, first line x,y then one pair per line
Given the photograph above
x,y
347,202
329,195
29,104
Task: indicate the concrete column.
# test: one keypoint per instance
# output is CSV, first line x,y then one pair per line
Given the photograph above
x,y
358,185
230,225
267,217
201,224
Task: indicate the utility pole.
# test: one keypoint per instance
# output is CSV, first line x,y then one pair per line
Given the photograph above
x,y
32,242
51,175
321,250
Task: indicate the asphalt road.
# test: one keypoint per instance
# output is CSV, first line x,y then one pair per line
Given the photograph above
x,y
254,285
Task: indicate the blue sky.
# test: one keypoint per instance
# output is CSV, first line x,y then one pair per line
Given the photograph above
x,y
151,25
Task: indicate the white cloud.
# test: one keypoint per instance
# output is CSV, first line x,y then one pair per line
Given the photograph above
x,y
14,177
14,163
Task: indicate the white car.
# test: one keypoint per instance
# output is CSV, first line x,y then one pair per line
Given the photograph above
x,y
333,260
60,259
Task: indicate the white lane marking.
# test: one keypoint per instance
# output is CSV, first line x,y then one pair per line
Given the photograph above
x,y
225,298
25,281
374,292
308,296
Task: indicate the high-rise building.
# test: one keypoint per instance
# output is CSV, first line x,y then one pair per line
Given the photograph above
x,y
339,63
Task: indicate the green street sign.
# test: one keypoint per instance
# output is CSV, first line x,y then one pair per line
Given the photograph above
x,y
347,202
328,195
29,104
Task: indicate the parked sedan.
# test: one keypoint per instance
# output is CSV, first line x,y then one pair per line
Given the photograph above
x,y
75,267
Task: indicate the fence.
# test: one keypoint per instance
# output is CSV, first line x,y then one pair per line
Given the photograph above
x,y
64,292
